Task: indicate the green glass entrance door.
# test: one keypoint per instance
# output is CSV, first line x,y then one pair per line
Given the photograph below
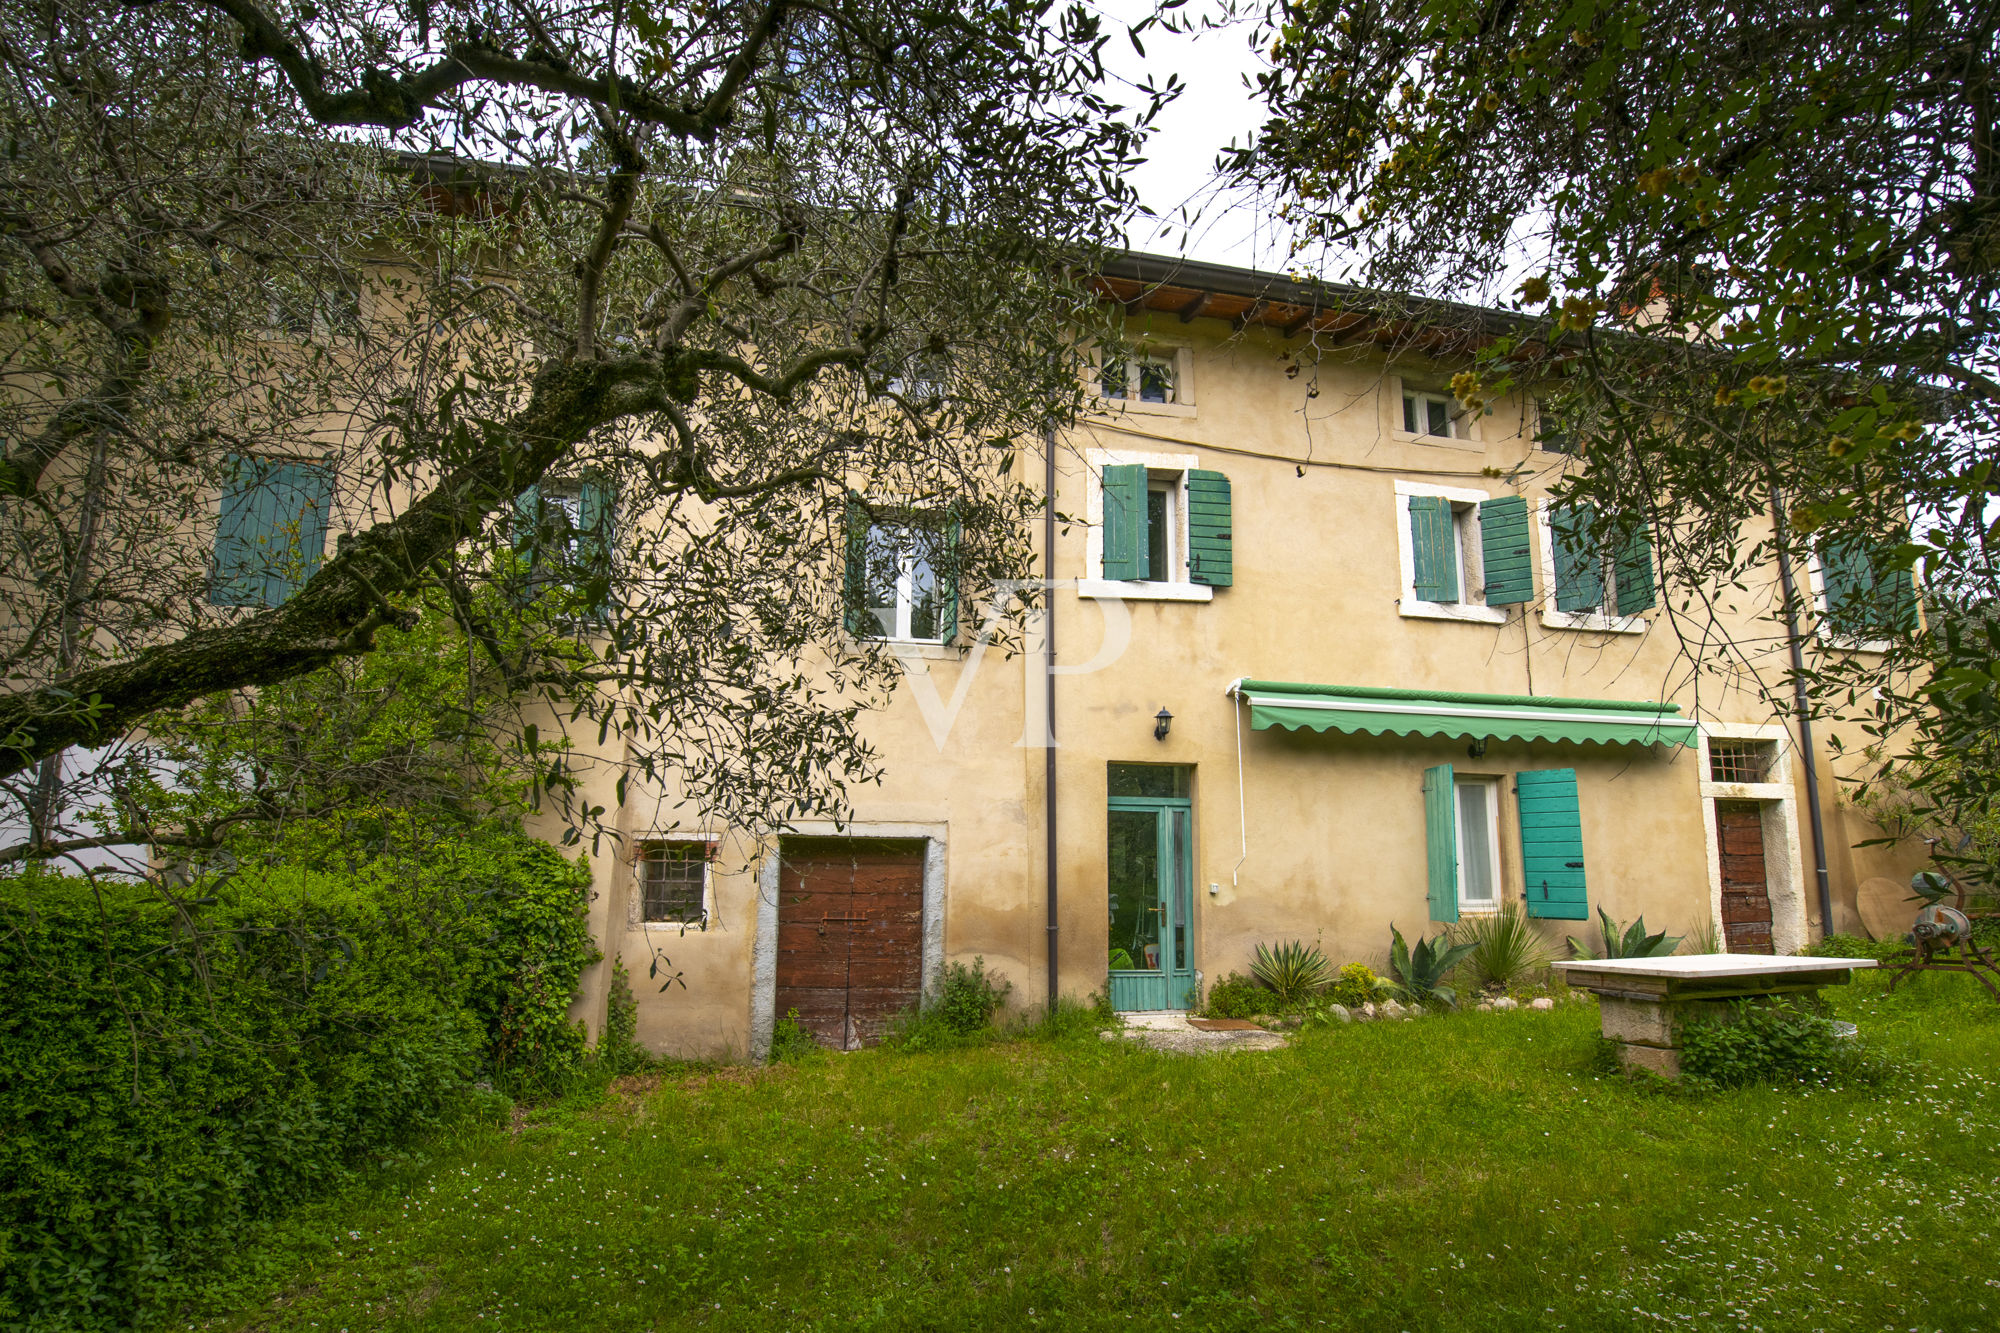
x,y
1150,896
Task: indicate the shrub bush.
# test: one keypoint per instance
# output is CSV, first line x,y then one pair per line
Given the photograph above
x,y
963,1009
790,1042
1778,1042
618,1050
1856,946
1237,996
175,1074
1355,985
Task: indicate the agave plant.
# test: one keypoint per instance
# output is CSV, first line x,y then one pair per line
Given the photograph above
x,y
1633,942
1507,950
1420,972
1295,972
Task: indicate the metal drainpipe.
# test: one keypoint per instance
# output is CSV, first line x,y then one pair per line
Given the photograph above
x,y
1802,706
1049,687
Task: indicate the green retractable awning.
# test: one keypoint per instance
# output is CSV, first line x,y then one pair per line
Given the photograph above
x,y
1502,717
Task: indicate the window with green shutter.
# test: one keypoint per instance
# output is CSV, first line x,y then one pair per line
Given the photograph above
x,y
1593,580
1441,841
564,538
1163,526
271,535
1862,596
1506,558
1552,874
901,573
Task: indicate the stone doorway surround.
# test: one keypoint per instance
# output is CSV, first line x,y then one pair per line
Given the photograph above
x,y
764,947
1784,866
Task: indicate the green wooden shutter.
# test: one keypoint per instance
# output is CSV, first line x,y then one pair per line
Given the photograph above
x,y
1864,601
1579,563
1441,841
947,574
1211,543
597,508
1633,574
1504,553
271,533
1551,844
1434,549
238,577
1125,522
854,586
527,537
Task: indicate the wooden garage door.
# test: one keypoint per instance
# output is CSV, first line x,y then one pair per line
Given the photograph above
x,y
850,934
1746,893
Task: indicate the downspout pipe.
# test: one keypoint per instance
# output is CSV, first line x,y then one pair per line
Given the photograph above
x,y
1802,706
1049,694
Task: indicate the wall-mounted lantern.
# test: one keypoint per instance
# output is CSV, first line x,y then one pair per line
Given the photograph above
x,y
1162,721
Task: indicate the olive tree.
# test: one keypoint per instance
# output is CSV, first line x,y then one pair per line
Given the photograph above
x,y
602,324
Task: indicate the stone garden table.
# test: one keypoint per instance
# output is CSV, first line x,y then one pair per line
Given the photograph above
x,y
1646,1000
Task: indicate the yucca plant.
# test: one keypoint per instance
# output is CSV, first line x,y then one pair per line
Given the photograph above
x,y
1632,942
1295,972
1507,950
1420,972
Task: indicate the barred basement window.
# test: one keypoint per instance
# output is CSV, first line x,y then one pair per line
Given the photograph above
x,y
1740,761
673,882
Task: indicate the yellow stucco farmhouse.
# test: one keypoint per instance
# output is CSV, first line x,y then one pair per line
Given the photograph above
x,y
1314,664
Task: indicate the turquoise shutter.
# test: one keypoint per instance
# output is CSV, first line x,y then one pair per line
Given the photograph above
x,y
1551,844
1434,549
1504,554
1441,841
527,541
1211,544
854,587
1579,566
306,489
597,507
271,533
1862,601
1633,574
948,576
238,578
1125,523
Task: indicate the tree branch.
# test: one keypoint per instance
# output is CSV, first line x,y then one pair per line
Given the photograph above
x,y
396,102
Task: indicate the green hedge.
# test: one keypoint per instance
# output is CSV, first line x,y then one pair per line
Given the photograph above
x,y
171,1075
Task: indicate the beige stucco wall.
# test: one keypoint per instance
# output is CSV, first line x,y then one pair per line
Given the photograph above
x,y
1334,827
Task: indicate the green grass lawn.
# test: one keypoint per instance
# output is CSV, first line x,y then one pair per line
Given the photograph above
x,y
1464,1172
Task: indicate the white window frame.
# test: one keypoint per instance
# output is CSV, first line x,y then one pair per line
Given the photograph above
x,y
1823,628
1465,527
1465,432
905,585
1170,469
1491,786
1180,363
636,915
1784,866
1600,620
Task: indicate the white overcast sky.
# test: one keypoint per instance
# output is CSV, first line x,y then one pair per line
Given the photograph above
x,y
1217,108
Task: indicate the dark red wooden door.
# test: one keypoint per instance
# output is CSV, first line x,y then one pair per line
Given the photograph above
x,y
850,934
1746,893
